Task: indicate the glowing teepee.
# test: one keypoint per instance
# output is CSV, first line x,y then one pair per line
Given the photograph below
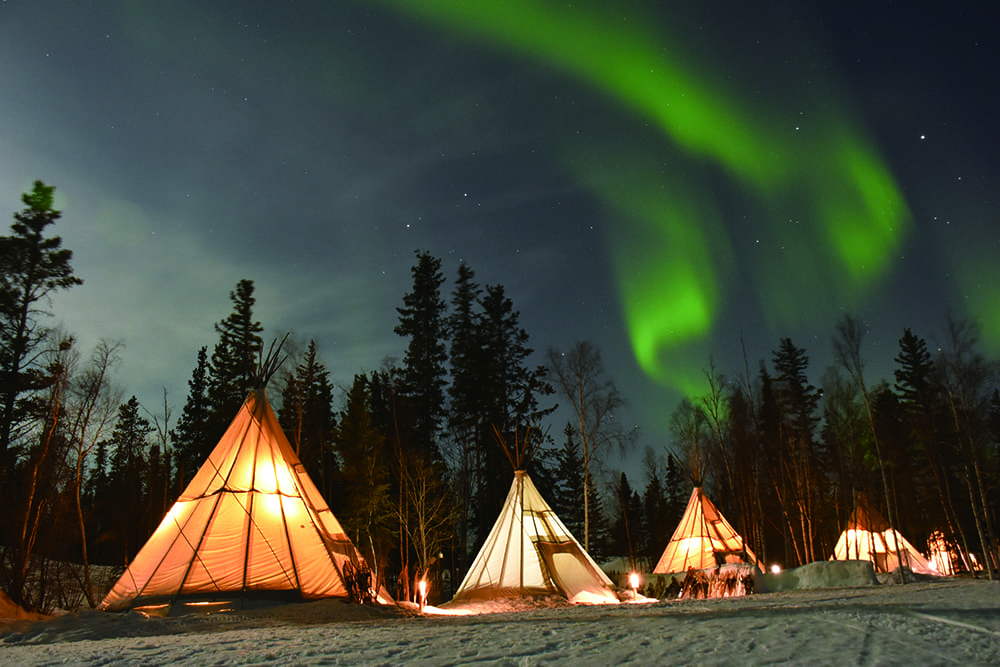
x,y
530,552
250,526
703,539
868,536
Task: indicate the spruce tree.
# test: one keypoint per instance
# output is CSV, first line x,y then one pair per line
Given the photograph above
x,y
465,416
307,416
627,530
569,483
129,459
915,375
233,367
422,320
418,402
798,401
599,525
466,356
157,473
96,488
677,491
509,401
33,266
923,414
192,435
98,500
362,501
655,509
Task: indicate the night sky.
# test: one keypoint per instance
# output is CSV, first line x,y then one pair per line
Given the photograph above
x,y
661,181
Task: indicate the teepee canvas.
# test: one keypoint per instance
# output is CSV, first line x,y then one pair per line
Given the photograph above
x,y
703,539
250,526
868,536
530,552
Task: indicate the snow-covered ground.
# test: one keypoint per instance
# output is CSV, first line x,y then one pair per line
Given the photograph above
x,y
943,621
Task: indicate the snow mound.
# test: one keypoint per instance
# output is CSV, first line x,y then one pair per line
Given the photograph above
x,y
911,577
823,574
14,617
9,611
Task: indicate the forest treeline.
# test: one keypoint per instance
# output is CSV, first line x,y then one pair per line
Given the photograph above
x,y
411,456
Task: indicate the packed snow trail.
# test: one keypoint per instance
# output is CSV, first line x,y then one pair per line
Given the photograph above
x,y
941,623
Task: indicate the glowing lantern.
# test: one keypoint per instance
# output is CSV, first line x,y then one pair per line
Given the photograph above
x,y
633,581
776,569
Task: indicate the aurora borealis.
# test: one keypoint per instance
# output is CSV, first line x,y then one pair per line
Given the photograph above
x,y
670,247
675,183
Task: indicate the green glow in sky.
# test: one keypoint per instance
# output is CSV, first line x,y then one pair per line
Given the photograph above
x,y
833,216
670,254
978,278
862,210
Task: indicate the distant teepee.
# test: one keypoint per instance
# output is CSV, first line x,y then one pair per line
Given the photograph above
x,y
703,539
868,536
251,526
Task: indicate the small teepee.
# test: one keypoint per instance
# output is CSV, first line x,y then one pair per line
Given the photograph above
x,y
530,552
868,536
250,528
703,539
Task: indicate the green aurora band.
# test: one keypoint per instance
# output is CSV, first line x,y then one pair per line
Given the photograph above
x,y
834,215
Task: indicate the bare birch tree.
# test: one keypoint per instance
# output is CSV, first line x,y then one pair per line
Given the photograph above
x,y
579,376
847,352
966,378
431,519
94,403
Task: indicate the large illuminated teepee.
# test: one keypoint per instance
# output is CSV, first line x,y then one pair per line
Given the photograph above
x,y
250,527
868,536
703,539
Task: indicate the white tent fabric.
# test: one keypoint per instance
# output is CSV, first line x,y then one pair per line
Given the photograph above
x,y
250,524
868,536
702,539
530,552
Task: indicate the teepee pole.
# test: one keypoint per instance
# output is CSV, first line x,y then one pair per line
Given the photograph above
x,y
520,504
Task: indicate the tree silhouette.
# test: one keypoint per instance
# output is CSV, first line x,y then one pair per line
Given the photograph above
x,y
307,416
422,321
233,367
32,267
193,435
129,446
362,501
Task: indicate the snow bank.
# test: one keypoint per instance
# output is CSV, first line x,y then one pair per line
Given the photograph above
x,y
9,611
823,574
